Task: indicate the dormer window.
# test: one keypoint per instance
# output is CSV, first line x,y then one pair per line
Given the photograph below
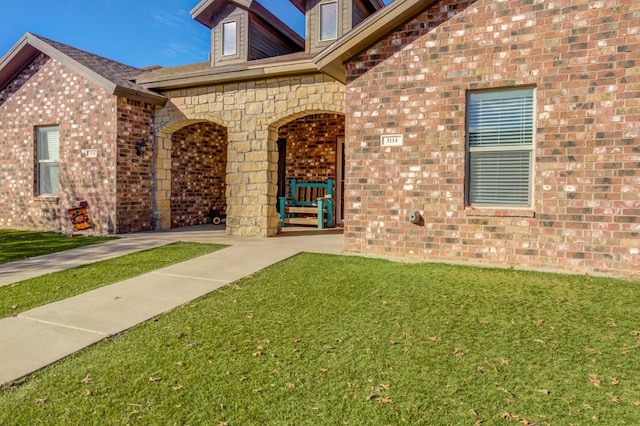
x,y
328,21
229,38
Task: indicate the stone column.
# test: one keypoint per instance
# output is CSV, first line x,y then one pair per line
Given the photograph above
x,y
162,182
251,181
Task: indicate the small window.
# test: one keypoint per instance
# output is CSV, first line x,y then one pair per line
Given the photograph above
x,y
500,148
329,21
48,158
229,38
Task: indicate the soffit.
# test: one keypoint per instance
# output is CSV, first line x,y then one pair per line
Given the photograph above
x,y
373,4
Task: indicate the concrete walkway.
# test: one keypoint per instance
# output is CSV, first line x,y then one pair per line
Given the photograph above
x,y
36,338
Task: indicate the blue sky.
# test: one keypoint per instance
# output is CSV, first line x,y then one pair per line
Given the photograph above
x,y
135,32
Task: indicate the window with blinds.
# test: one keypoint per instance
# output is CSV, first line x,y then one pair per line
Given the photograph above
x,y
500,147
48,158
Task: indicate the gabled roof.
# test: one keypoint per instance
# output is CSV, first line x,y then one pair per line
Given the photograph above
x,y
374,4
114,77
331,60
206,9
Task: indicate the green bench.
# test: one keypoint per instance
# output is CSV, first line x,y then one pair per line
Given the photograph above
x,y
310,203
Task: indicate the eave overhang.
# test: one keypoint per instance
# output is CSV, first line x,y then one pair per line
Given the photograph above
x,y
219,75
332,60
206,9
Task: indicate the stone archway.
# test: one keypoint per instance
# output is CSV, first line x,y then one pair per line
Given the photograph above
x,y
307,149
198,173
191,161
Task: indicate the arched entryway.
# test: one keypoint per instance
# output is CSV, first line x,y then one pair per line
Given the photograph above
x,y
309,150
191,163
198,173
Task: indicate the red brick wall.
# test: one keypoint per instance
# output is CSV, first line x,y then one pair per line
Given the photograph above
x,y
311,147
199,161
47,93
135,172
582,57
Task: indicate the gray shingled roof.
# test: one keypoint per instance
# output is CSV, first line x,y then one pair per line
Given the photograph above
x,y
115,77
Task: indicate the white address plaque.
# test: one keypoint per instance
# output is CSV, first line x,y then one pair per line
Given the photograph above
x,y
391,140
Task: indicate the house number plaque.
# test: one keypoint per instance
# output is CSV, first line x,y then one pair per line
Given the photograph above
x,y
391,140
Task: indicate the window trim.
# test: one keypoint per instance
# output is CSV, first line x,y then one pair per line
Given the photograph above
x,y
529,148
223,39
320,21
39,131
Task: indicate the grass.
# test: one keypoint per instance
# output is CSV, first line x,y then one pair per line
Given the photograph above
x,y
321,339
48,288
19,245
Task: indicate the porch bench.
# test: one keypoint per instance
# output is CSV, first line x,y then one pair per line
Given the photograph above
x,y
310,203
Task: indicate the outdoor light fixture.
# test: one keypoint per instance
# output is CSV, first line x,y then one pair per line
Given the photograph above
x,y
141,147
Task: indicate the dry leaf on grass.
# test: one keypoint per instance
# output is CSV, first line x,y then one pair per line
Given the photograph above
x,y
41,401
615,399
544,391
87,379
594,380
459,353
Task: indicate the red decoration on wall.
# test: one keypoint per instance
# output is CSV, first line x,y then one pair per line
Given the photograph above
x,y
79,217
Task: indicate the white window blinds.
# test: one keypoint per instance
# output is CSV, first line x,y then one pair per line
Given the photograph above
x,y
500,141
48,152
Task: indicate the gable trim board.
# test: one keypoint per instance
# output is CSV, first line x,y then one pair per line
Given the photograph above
x,y
332,60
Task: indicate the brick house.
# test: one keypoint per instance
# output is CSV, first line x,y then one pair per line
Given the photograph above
x,y
70,123
511,127
494,133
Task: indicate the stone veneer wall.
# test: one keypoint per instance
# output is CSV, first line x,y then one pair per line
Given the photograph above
x,y
312,147
47,93
199,162
251,112
583,58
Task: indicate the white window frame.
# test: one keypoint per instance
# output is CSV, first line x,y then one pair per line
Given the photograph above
x,y
500,148
48,161
224,39
333,36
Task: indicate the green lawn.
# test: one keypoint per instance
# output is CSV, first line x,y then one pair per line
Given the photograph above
x,y
18,245
38,291
321,339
